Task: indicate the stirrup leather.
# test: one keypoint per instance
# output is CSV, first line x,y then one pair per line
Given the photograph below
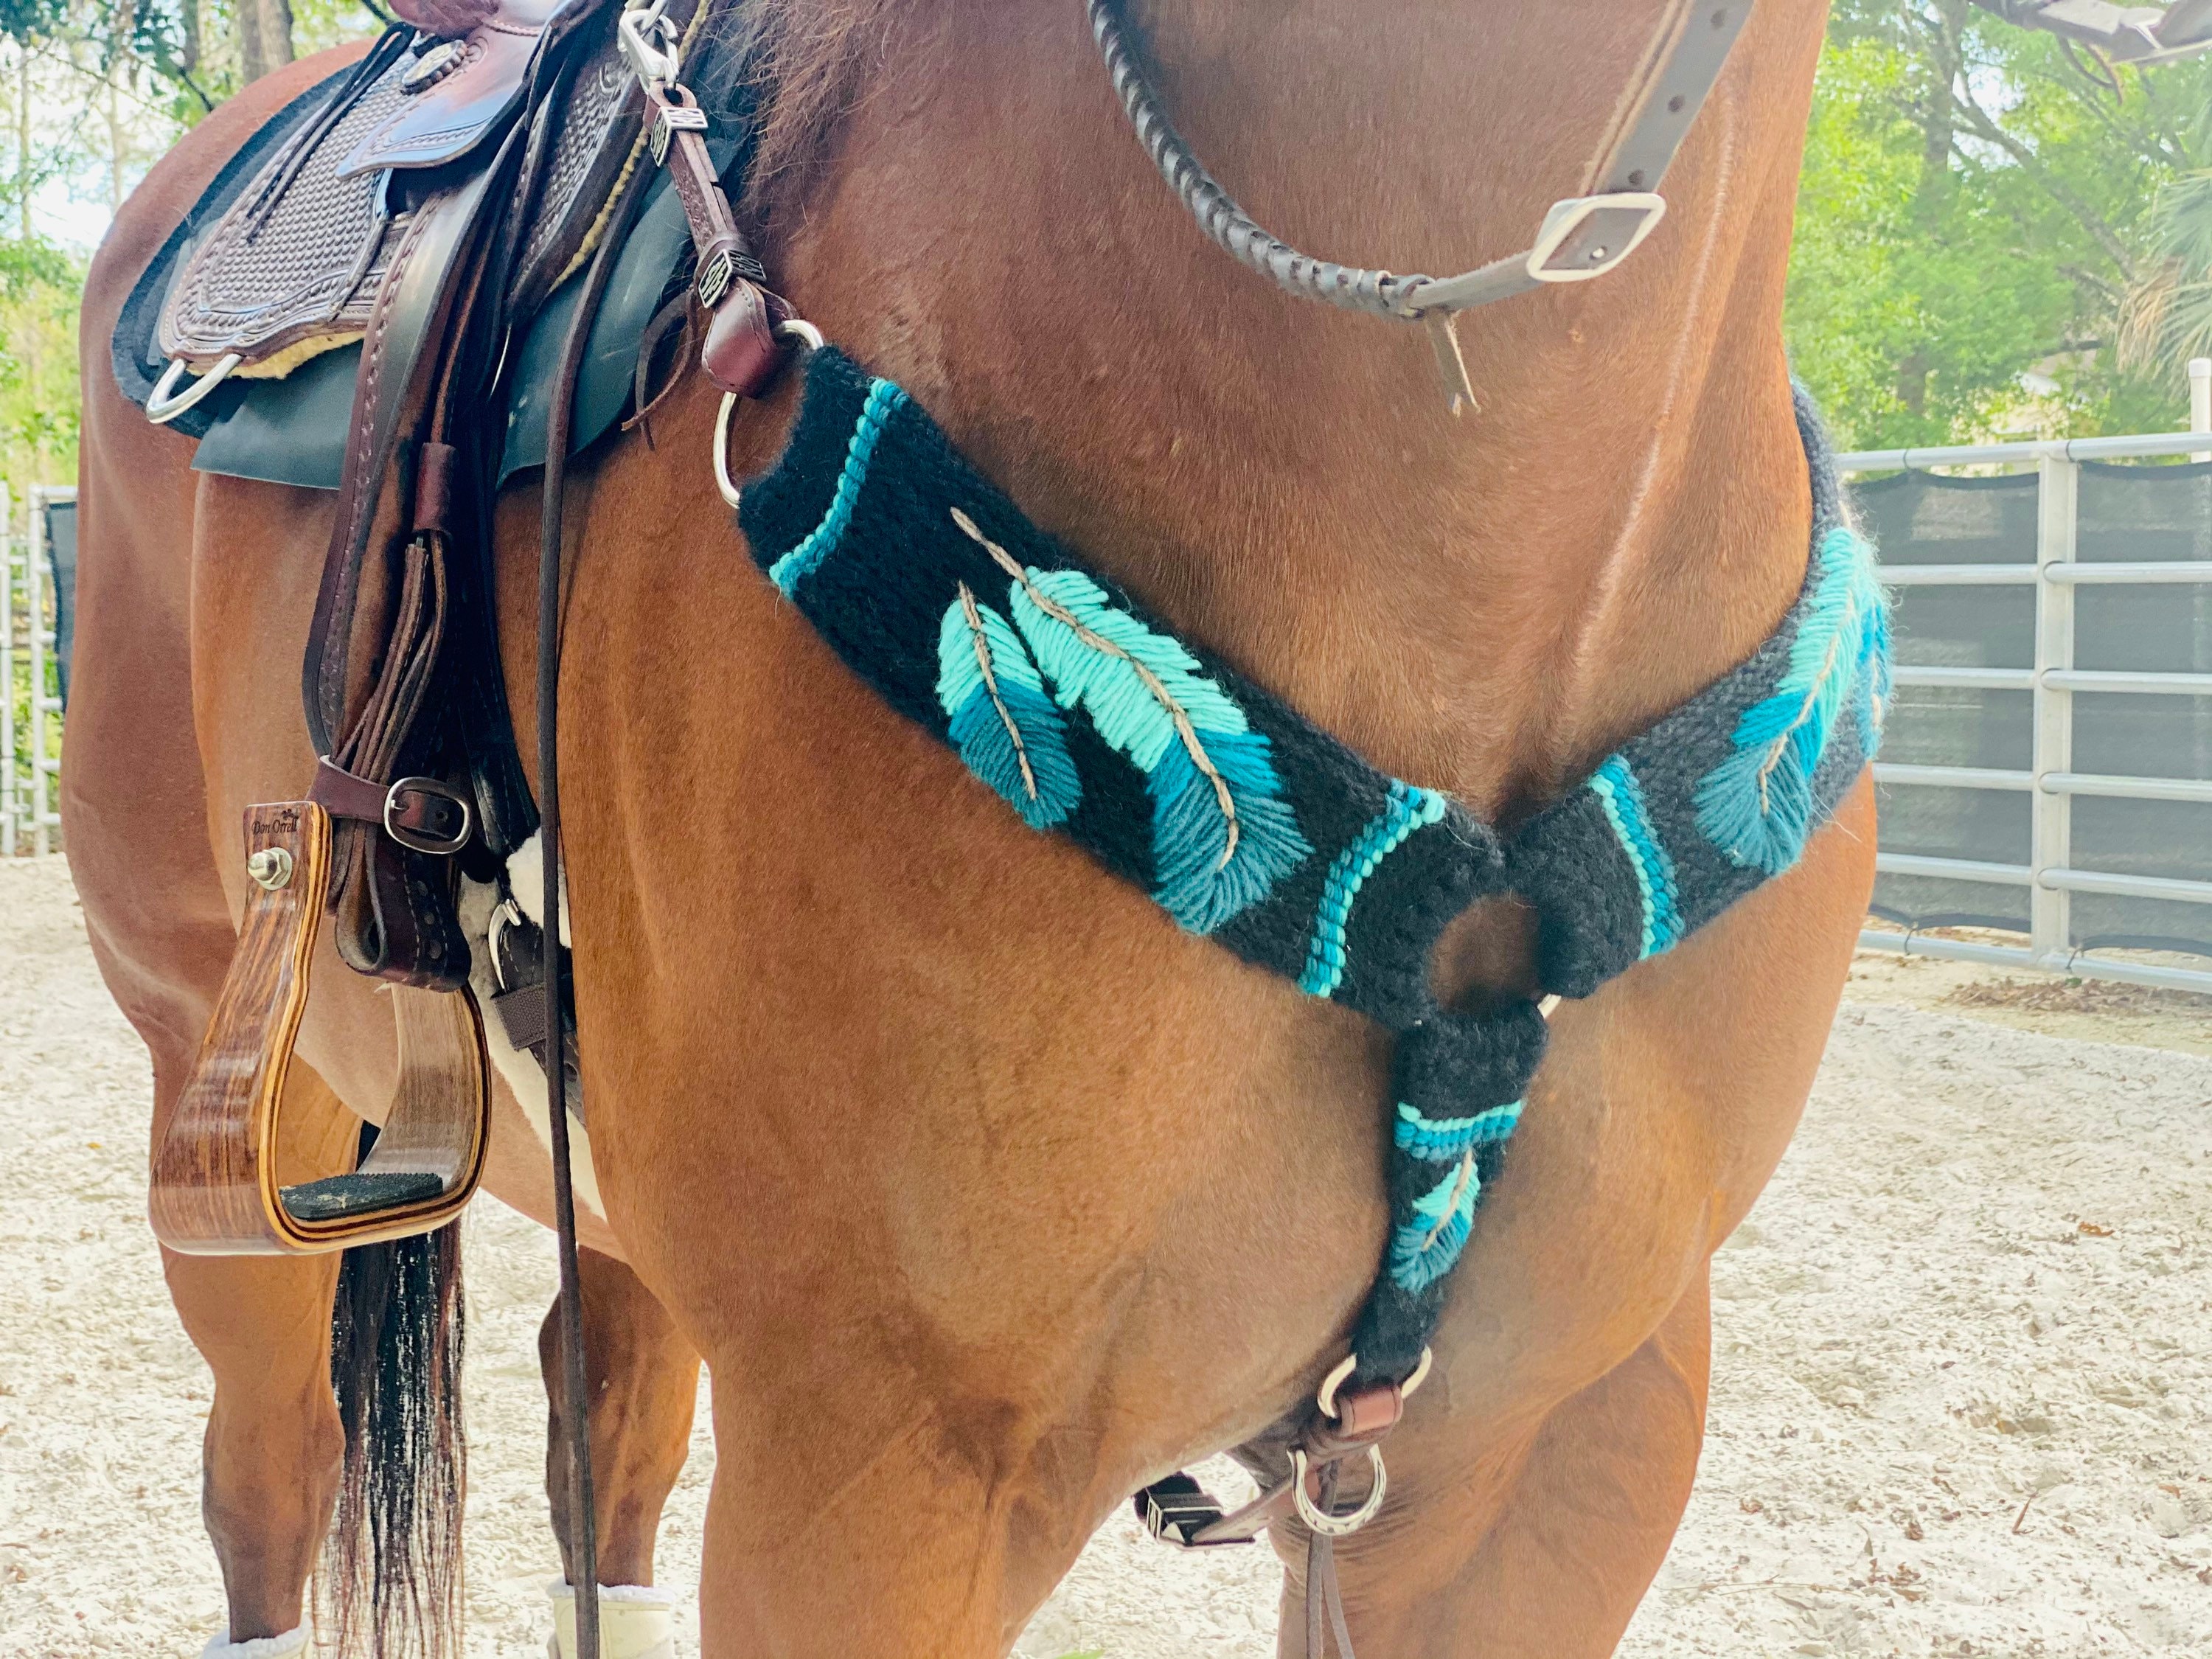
x,y
215,1189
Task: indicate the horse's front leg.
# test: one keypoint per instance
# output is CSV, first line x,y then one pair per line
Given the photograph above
x,y
643,1380
274,1444
1575,1518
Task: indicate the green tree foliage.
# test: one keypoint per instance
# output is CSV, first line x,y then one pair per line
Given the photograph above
x,y
1976,215
39,284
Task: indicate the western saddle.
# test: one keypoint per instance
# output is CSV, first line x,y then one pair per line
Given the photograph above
x,y
469,184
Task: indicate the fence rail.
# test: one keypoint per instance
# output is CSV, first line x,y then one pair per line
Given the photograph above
x,y
30,700
2051,782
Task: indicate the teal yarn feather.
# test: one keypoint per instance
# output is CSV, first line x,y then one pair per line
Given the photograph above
x,y
1757,805
1006,727
1222,831
1427,1246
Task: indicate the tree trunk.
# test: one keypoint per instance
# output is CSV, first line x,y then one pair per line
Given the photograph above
x,y
22,142
1938,118
265,37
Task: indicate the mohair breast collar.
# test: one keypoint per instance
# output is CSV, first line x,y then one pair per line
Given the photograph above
x,y
1251,826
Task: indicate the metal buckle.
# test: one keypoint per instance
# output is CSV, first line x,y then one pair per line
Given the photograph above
x,y
442,847
1177,1518
1586,236
506,916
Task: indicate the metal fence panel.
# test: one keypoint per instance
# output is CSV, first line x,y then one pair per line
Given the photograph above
x,y
38,572
2048,765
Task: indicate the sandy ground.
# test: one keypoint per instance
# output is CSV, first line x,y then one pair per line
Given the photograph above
x,y
1962,1401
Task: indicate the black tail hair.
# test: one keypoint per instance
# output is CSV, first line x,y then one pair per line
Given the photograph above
x,y
392,1567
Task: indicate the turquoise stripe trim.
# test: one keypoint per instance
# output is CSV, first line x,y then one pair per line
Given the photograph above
x,y
789,571
1409,808
1437,1138
1615,785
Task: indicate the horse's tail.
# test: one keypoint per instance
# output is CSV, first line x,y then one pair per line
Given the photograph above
x,y
393,1567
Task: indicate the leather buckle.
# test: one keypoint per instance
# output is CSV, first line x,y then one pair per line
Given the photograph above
x,y
427,815
1586,236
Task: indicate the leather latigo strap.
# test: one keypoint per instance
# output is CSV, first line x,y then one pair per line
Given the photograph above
x,y
381,615
517,946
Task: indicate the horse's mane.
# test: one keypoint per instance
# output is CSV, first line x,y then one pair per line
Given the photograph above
x,y
806,62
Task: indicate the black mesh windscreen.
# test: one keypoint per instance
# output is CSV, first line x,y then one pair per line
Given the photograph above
x,y
2127,514
2143,514
1918,518
61,553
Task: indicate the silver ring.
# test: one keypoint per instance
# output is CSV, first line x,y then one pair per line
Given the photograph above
x,y
1319,1519
162,408
723,481
792,328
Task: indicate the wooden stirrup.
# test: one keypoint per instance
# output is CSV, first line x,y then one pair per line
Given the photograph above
x,y
215,1189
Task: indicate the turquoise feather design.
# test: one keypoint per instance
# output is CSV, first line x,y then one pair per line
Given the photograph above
x,y
1757,805
1223,833
1006,727
1426,1247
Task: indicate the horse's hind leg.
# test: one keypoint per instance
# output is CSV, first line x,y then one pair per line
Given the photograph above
x,y
273,1446
642,1380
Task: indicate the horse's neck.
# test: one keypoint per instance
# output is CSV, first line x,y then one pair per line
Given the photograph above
x,y
1482,603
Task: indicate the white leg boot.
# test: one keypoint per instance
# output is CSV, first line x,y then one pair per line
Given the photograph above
x,y
636,1621
220,1646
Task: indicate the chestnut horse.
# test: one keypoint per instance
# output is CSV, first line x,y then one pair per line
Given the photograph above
x,y
986,1194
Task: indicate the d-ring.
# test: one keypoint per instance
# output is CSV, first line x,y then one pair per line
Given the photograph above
x,y
723,482
799,329
1325,1396
162,408
792,328
1319,1519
